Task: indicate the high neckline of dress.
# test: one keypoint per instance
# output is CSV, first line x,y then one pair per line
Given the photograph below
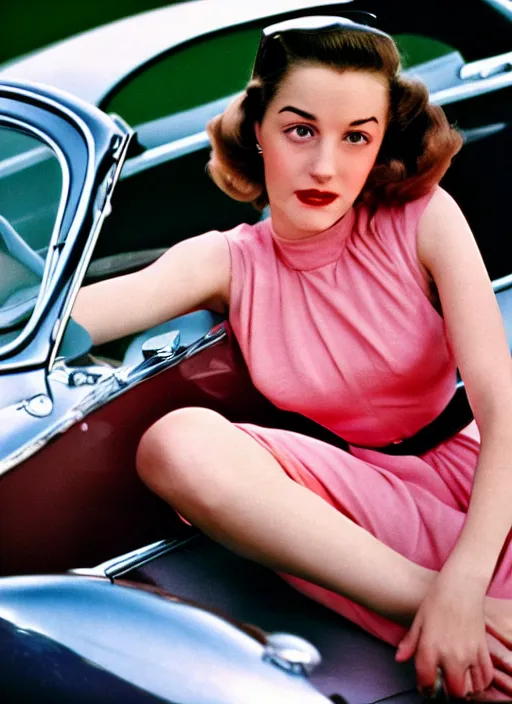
x,y
316,250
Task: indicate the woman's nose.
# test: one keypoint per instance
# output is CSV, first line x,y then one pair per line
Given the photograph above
x,y
323,164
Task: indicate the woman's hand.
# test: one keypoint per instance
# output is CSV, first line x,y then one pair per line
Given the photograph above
x,y
501,689
448,634
498,620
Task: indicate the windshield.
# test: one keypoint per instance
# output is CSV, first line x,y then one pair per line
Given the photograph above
x,y
30,193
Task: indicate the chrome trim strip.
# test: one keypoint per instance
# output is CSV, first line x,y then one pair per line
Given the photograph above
x,y
119,382
503,283
471,89
164,153
486,67
117,566
475,134
87,253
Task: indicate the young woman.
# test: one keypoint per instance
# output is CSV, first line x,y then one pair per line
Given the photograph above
x,y
354,303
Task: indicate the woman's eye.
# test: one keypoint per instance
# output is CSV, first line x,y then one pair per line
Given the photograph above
x,y
300,131
357,138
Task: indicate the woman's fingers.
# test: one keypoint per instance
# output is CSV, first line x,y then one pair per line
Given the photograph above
x,y
427,671
501,656
502,683
492,694
485,670
458,680
498,619
464,658
488,680
481,676
409,643
476,678
499,635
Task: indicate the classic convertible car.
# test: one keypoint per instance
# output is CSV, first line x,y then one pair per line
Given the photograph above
x,y
105,594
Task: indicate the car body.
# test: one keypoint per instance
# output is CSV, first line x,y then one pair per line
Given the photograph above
x,y
74,517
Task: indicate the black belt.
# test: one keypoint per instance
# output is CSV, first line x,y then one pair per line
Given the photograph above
x,y
448,423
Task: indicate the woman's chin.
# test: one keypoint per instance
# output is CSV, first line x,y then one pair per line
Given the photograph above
x,y
314,219
298,220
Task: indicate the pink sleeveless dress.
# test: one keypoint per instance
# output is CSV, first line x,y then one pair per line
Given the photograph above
x,y
339,327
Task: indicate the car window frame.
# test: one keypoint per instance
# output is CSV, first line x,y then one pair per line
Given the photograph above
x,y
91,144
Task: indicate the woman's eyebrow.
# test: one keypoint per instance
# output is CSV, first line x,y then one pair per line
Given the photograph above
x,y
302,113
361,122
309,116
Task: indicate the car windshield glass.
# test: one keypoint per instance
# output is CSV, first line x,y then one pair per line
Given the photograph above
x,y
30,193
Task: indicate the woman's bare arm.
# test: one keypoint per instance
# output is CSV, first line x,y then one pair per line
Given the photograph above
x,y
475,329
193,274
448,631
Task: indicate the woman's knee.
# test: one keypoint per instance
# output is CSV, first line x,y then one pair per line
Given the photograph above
x,y
173,453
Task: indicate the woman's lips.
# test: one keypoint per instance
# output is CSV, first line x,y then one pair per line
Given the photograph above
x,y
317,198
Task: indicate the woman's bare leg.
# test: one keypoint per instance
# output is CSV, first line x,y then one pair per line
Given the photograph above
x,y
230,487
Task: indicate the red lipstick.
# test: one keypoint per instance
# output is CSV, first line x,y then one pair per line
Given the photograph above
x,y
314,197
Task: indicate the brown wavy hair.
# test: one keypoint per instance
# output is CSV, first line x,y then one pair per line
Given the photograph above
x,y
418,144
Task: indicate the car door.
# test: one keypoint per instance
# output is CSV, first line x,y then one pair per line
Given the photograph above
x,y
59,160
69,426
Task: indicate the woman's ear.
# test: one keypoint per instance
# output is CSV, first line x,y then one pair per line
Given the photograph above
x,y
257,132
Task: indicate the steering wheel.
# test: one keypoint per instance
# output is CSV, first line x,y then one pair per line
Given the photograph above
x,y
12,243
27,267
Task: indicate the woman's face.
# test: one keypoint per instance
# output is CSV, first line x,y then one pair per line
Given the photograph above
x,y
320,137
